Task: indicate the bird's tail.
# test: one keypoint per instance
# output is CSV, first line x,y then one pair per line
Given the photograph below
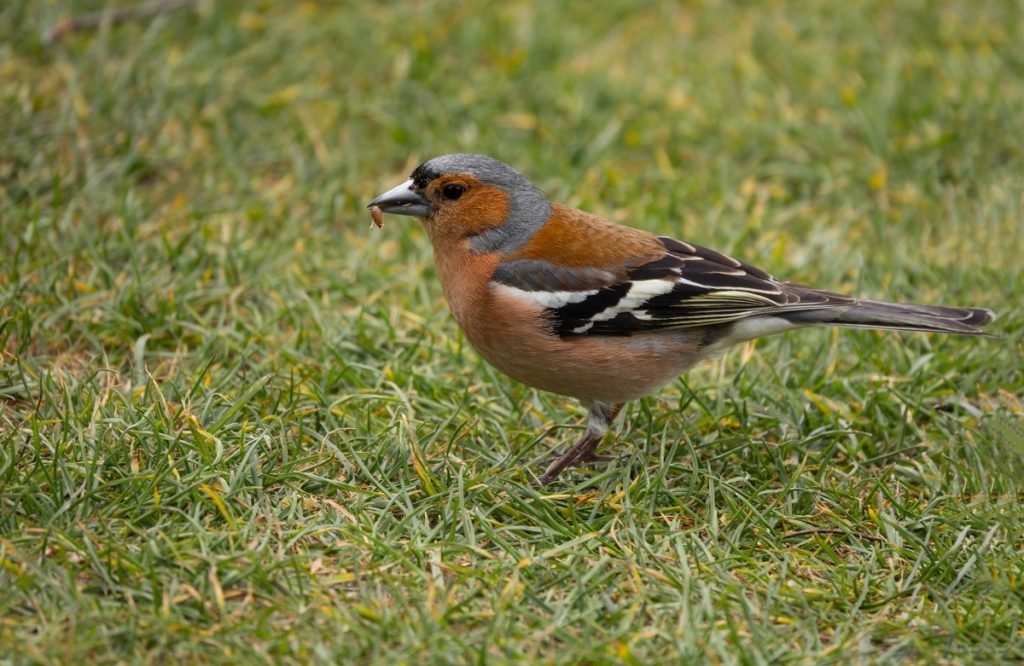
x,y
898,317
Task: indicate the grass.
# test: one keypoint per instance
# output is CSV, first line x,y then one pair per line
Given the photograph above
x,y
238,425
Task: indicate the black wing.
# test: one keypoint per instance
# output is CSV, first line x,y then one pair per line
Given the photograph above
x,y
688,287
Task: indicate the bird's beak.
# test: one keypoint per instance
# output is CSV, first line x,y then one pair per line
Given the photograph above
x,y
402,200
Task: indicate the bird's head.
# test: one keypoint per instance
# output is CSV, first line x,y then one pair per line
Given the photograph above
x,y
472,197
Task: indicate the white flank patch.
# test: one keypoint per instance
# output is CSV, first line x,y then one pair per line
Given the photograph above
x,y
545,299
755,327
639,293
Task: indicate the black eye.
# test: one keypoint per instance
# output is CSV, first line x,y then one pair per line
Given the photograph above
x,y
452,191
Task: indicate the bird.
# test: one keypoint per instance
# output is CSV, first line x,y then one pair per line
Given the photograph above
x,y
568,302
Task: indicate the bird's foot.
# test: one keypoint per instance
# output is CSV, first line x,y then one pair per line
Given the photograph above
x,y
582,451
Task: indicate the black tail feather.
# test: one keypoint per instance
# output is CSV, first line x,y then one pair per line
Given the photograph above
x,y
899,316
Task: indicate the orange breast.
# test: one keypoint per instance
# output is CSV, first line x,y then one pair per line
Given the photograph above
x,y
512,335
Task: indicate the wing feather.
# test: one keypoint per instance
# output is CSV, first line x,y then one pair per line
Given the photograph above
x,y
688,287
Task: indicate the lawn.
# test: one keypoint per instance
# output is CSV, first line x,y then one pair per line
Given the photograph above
x,y
237,424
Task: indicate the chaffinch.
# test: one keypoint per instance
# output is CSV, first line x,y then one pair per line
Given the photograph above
x,y
568,302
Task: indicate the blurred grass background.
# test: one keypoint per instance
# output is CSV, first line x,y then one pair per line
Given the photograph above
x,y
236,424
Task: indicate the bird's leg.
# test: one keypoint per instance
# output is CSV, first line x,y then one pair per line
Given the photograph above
x,y
599,418
596,457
